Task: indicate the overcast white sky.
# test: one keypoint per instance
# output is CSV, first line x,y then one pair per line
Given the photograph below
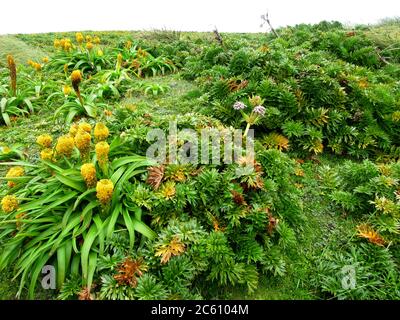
x,y
31,16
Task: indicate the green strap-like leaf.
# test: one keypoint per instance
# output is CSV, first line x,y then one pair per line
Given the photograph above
x,y
91,268
113,220
35,274
61,266
78,185
130,227
87,245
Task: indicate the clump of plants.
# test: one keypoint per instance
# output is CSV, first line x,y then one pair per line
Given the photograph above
x,y
60,210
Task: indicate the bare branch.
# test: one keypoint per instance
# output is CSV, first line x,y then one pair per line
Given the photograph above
x,y
265,17
218,36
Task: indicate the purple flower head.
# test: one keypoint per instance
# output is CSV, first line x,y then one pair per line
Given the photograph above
x,y
259,110
239,105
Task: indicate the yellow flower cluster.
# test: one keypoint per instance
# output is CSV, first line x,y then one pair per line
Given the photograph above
x,y
88,172
66,90
35,65
73,130
119,60
65,145
82,141
101,132
102,151
76,78
89,46
13,73
9,204
79,37
44,140
13,173
64,44
45,59
128,44
104,189
96,40
84,126
46,154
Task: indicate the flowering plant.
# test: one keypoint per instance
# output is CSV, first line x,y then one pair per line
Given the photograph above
x,y
61,210
256,113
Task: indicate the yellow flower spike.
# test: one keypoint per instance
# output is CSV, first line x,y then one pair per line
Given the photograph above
x,y
37,66
76,79
84,126
88,172
128,44
65,145
88,38
96,40
79,37
56,43
100,53
82,142
9,203
13,173
89,46
13,73
45,59
102,151
67,46
73,130
101,132
66,90
46,154
104,189
66,69
62,43
44,140
119,59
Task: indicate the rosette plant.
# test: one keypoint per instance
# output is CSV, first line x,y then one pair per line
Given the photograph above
x,y
61,210
79,105
142,63
85,55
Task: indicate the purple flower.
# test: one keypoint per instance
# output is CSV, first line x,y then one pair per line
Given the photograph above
x,y
239,105
259,110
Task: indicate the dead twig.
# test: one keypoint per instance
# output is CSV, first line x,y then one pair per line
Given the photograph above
x,y
265,19
218,36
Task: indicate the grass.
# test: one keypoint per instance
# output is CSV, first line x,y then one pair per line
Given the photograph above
x,y
20,50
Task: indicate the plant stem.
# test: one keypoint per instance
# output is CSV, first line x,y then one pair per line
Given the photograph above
x,y
247,129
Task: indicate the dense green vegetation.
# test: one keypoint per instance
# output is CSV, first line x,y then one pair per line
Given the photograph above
x,y
322,197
